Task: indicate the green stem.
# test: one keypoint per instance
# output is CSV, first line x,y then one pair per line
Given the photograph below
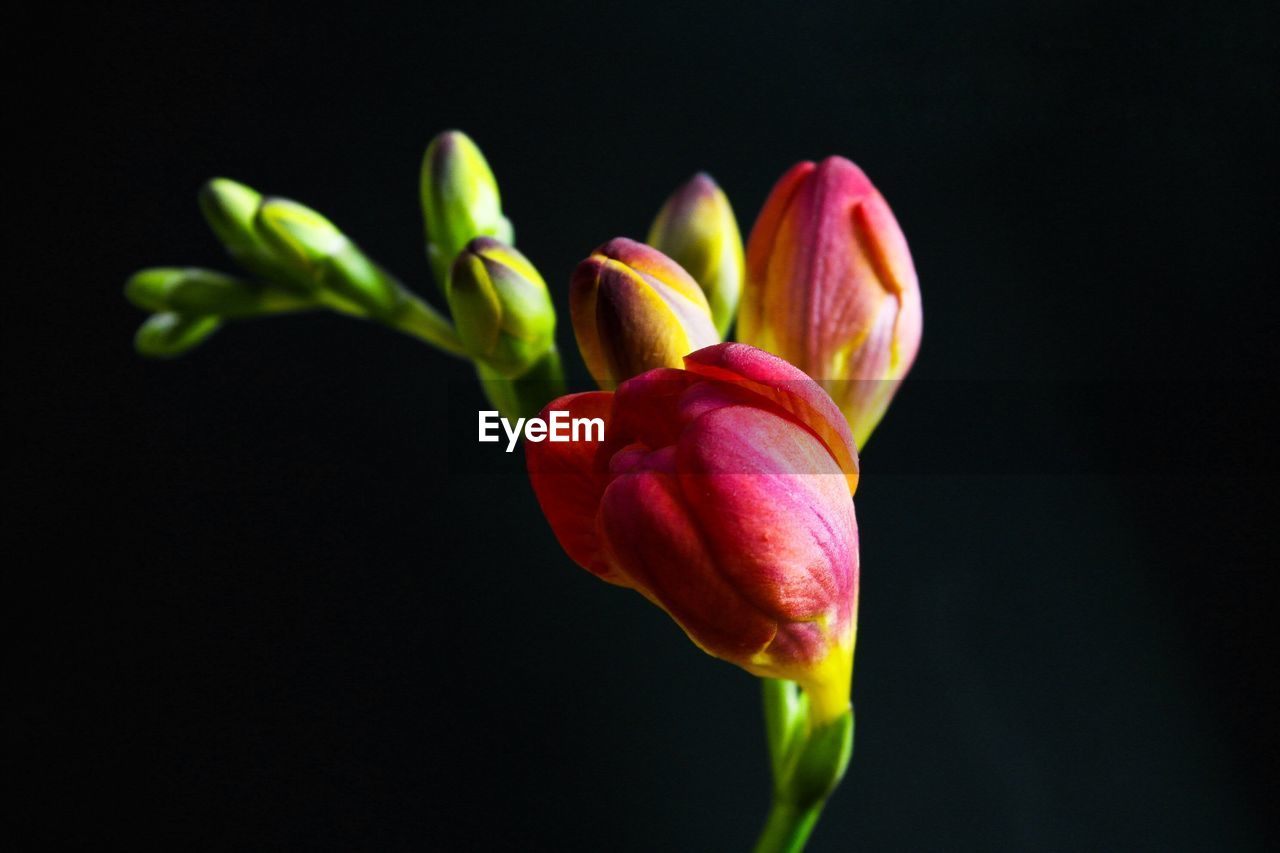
x,y
782,709
785,725
808,754
413,317
524,396
788,828
418,319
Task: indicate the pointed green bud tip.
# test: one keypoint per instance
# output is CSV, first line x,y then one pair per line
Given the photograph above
x,y
460,199
168,334
501,307
696,228
229,207
149,289
192,291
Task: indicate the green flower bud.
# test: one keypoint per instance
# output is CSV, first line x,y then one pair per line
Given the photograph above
x,y
501,307
321,256
192,291
230,209
168,334
460,200
696,229
297,235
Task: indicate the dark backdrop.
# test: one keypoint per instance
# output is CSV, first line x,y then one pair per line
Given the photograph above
x,y
279,598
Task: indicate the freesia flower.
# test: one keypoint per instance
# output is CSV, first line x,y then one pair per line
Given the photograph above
x,y
721,493
832,289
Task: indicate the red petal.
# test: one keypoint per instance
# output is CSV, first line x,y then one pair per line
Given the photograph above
x,y
569,479
788,388
774,508
654,541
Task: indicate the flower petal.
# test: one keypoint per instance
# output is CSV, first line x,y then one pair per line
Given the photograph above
x,y
787,387
774,508
653,541
569,479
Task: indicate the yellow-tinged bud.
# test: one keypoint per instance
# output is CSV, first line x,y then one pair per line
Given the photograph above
x,y
696,229
501,307
635,309
460,200
230,208
297,234
321,256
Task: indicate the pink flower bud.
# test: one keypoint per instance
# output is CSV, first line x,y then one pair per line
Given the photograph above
x,y
831,287
721,493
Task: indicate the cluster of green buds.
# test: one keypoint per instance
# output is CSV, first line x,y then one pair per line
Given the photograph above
x,y
296,259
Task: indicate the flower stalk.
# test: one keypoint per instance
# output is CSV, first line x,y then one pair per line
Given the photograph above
x,y
808,758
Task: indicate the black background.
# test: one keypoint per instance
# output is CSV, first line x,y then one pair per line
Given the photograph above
x,y
279,598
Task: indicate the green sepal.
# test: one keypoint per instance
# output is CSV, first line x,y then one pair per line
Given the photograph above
x,y
820,762
807,762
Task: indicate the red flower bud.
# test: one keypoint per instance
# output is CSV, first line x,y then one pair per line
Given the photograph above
x,y
721,493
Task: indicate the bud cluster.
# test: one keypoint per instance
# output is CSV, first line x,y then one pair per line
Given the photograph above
x,y
714,478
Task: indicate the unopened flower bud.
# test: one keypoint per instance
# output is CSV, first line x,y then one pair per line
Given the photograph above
x,y
460,200
321,256
634,309
230,208
696,229
168,333
832,289
721,492
191,290
501,307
